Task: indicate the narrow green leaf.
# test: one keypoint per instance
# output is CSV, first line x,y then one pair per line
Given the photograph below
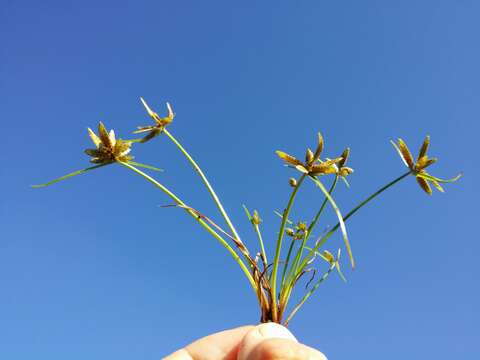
x,y
437,185
281,217
144,166
247,213
316,253
434,178
337,263
64,177
337,266
340,218
259,235
345,181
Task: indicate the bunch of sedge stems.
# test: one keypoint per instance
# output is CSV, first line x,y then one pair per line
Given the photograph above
x,y
263,276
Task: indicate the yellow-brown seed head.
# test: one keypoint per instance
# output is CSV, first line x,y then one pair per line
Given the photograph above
x,y
418,167
160,123
256,220
108,148
313,165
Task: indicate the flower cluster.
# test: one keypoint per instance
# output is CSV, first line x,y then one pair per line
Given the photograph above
x,y
417,168
108,148
160,123
314,166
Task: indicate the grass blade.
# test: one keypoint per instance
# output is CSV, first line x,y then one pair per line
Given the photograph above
x,y
289,222
64,177
247,213
340,219
144,166
337,263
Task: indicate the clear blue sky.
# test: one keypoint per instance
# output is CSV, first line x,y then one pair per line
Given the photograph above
x,y
92,268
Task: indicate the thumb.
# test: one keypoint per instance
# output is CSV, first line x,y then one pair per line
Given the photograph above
x,y
261,333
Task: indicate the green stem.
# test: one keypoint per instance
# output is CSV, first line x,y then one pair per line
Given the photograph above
x,y
306,237
287,261
205,181
339,216
199,220
260,239
256,227
64,177
313,223
348,215
279,246
317,216
294,267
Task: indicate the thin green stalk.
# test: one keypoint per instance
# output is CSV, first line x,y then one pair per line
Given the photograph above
x,y
335,207
196,217
287,261
346,217
287,286
279,245
306,237
262,247
64,177
205,181
259,235
296,261
337,263
317,216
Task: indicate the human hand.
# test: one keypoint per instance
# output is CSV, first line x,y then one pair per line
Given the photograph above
x,y
268,341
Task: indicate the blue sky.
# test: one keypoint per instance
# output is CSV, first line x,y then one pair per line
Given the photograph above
x,y
93,268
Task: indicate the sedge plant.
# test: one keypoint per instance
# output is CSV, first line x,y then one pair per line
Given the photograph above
x,y
272,277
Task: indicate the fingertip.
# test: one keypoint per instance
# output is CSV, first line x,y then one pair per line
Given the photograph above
x,y
261,333
273,330
284,349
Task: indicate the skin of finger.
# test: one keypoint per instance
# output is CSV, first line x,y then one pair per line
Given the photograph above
x,y
284,349
220,346
259,334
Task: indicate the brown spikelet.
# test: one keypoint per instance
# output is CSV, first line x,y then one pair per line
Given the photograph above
x,y
103,135
323,169
424,185
344,156
424,148
288,158
319,148
328,256
421,162
256,218
406,154
332,161
93,152
153,133
309,157
94,137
